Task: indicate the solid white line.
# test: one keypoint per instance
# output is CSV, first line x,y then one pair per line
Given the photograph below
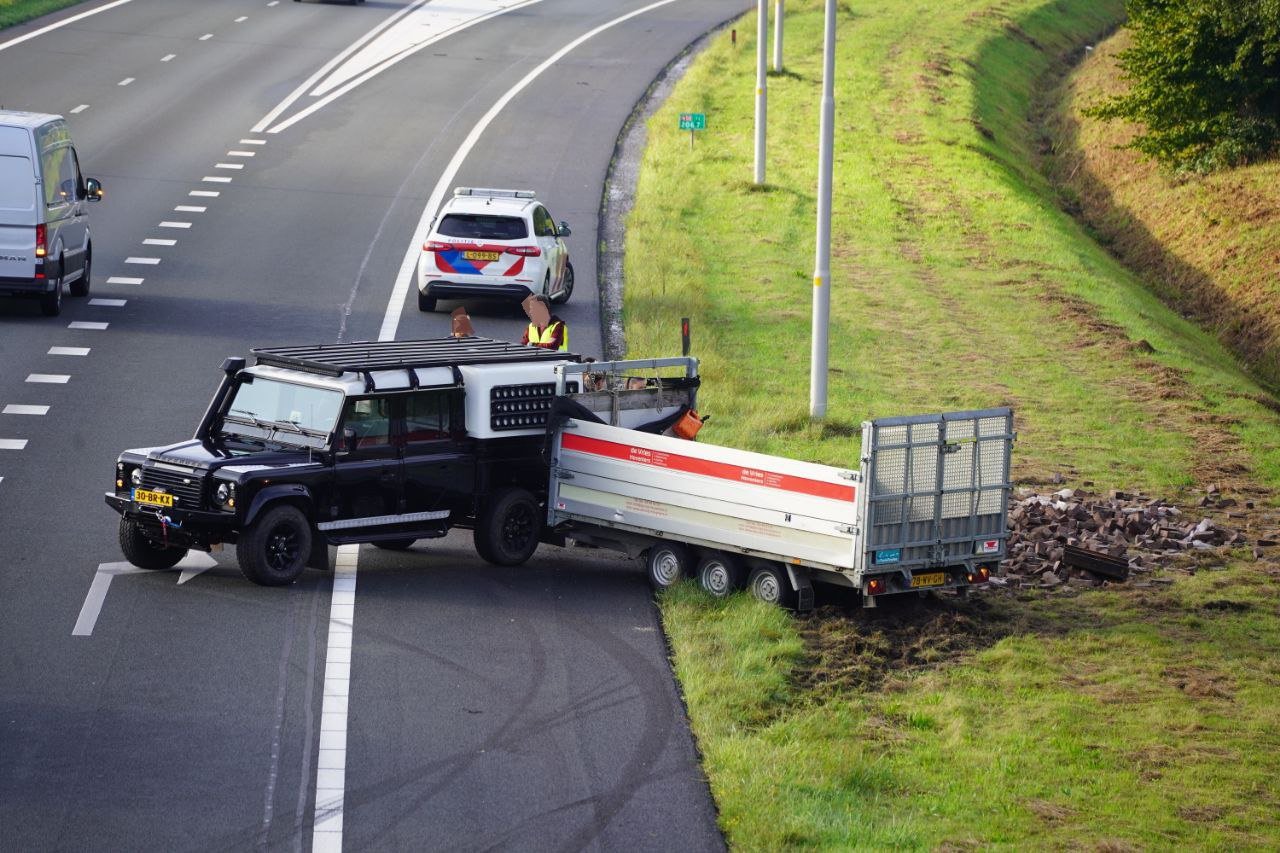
x,y
228,165
156,241
168,57
204,193
49,378
124,279
391,319
79,109
108,303
190,208
16,409
215,179
147,261
242,19
68,351
126,81
12,443
92,327
331,766
170,224
205,37
242,153
253,142
59,24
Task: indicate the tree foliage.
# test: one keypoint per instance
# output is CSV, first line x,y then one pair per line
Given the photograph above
x,y
1205,81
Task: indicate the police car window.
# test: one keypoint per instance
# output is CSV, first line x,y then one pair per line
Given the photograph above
x,y
370,420
17,184
482,227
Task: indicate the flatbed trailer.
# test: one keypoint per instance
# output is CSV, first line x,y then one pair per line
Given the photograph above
x,y
922,508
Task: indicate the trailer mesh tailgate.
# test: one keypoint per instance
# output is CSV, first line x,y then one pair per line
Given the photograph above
x,y
938,488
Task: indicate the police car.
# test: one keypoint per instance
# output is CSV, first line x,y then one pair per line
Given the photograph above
x,y
494,244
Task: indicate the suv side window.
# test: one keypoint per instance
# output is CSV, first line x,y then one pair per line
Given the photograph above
x,y
370,418
432,415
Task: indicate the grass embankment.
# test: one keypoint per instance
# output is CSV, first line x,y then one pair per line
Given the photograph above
x,y
17,11
1108,718
1207,244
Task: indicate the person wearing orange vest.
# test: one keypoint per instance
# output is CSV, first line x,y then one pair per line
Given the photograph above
x,y
553,335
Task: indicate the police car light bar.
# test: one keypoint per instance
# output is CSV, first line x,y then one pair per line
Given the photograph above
x,y
492,193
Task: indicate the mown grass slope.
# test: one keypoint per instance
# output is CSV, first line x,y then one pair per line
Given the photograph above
x,y
1106,719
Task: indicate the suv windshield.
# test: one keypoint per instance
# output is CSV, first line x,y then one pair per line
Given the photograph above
x,y
268,402
473,226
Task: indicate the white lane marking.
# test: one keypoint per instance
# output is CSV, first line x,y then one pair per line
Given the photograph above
x,y
274,3
91,327
253,142
204,193
108,303
59,24
81,351
124,279
331,768
398,43
126,81
145,261
205,37
242,19
49,378
189,208
215,179
195,562
156,241
242,153
12,443
169,57
17,409
391,319
228,165
79,109
170,224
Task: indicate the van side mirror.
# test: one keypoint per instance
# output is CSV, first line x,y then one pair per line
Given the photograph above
x,y
563,228
93,189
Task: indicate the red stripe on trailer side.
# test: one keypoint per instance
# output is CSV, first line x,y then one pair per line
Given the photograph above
x,y
736,473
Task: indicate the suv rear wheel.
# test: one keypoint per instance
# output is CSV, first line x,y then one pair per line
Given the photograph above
x,y
139,550
509,528
274,550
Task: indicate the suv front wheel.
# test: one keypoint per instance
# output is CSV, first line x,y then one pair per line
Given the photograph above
x,y
142,552
274,549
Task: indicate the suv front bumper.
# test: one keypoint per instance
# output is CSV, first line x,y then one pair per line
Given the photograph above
x,y
185,528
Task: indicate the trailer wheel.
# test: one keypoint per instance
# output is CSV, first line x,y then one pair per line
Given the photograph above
x,y
509,528
667,563
770,585
719,574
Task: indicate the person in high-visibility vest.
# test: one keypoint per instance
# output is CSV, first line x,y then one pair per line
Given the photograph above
x,y
553,334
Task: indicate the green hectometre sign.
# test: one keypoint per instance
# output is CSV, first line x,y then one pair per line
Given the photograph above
x,y
693,121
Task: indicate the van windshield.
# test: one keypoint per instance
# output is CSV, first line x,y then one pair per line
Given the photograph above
x,y
471,226
17,183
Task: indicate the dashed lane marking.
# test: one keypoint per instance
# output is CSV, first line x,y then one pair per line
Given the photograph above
x,y
204,193
274,3
16,409
124,279
228,165
49,378
79,109
253,142
169,224
126,81
241,153
68,351
145,261
190,208
88,326
168,57
157,241
331,767
215,179
242,19
108,303
205,37
12,443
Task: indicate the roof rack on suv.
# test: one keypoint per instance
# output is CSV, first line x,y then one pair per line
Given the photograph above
x,y
492,193
363,357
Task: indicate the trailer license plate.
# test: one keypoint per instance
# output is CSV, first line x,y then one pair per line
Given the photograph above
x,y
143,496
930,579
481,256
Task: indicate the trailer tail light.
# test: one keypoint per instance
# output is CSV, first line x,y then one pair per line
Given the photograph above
x,y
875,586
41,249
527,251
436,246
982,574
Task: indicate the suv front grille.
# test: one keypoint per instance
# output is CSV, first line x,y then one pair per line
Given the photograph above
x,y
186,486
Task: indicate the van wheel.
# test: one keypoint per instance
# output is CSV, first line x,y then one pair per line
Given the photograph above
x,y
770,585
80,287
426,303
51,303
140,551
719,574
274,550
566,285
509,528
666,564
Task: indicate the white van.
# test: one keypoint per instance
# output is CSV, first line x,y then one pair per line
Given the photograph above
x,y
44,224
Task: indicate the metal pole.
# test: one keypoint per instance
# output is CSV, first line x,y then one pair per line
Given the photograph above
x,y
822,260
762,39
777,37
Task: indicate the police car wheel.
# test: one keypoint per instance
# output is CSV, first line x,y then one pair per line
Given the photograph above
x,y
509,528
274,550
426,303
144,553
566,285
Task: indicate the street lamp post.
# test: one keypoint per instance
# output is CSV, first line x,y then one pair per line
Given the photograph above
x,y
822,259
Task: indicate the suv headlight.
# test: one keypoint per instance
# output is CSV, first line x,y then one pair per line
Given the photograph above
x,y
226,495
136,477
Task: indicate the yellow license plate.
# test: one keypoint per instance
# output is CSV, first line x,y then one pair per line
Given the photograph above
x,y
143,496
481,256
930,579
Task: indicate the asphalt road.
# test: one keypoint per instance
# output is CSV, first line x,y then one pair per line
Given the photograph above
x,y
488,708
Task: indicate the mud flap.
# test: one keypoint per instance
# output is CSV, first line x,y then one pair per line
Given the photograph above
x,y
804,589
319,557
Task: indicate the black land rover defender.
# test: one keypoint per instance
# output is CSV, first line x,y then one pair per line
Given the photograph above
x,y
386,442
